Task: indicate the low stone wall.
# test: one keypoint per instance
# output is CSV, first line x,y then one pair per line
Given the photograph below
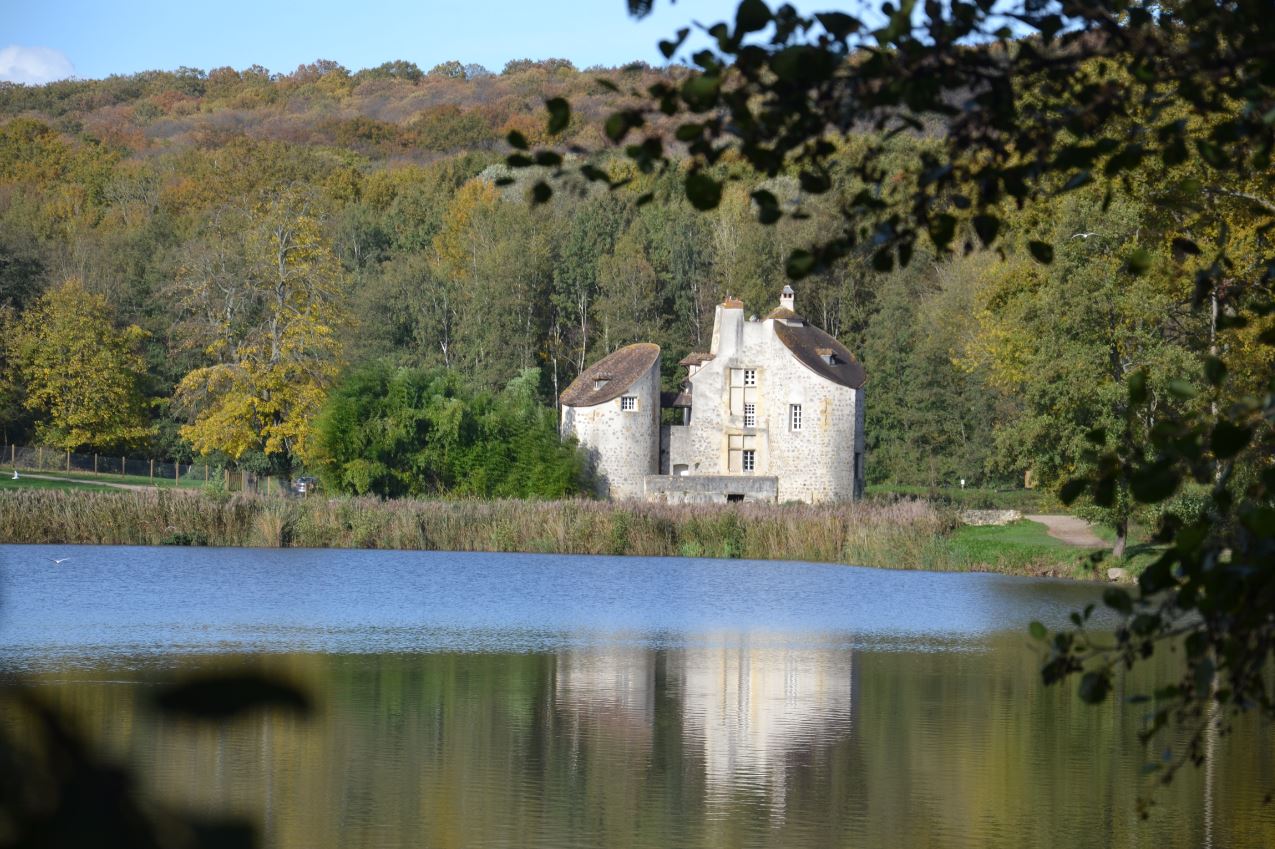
x,y
710,489
990,517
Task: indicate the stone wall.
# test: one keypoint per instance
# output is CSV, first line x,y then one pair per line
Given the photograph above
x,y
813,464
710,489
623,446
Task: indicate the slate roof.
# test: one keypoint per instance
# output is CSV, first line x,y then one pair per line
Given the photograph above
x,y
695,358
807,344
675,399
620,369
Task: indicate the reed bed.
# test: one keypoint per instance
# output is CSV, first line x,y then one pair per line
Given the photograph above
x,y
902,534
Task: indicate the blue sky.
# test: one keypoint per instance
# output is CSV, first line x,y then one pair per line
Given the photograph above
x,y
50,39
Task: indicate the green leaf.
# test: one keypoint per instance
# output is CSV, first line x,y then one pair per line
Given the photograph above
x,y
987,226
223,696
1118,600
942,229
540,193
689,132
1042,251
1182,389
703,191
1037,631
1152,484
1229,439
1185,246
800,264
559,114
516,140
1137,387
668,48
1094,687
1138,262
548,159
751,16
838,24
1071,490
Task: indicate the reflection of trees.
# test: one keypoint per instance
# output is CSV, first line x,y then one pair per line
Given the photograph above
x,y
739,745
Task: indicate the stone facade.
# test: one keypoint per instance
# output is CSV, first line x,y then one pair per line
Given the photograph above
x,y
773,411
620,434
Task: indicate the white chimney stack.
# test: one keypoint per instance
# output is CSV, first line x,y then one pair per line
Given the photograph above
x,y
787,298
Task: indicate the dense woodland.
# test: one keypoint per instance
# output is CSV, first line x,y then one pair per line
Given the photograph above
x,y
206,255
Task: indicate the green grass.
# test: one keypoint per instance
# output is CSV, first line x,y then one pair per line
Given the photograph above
x,y
973,498
7,482
1020,547
107,477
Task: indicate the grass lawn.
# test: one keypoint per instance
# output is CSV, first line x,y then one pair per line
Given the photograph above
x,y
1022,546
107,477
7,482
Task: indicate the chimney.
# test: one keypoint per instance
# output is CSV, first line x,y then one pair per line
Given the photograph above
x,y
787,298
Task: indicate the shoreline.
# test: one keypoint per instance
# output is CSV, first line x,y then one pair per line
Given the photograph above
x,y
902,534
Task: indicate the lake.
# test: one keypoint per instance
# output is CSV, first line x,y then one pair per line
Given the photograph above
x,y
503,700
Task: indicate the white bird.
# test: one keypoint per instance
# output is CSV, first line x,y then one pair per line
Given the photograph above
x,y
15,474
59,561
1082,235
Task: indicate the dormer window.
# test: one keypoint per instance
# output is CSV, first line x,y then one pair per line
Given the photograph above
x,y
828,356
599,382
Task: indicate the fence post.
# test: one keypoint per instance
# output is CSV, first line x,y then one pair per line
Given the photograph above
x,y
95,464
177,473
152,470
39,457
68,461
205,473
122,467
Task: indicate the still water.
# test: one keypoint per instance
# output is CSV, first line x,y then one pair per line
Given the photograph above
x,y
484,700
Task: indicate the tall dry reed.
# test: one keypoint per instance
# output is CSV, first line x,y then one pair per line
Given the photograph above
x,y
906,534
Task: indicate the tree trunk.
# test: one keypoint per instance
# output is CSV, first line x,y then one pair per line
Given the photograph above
x,y
1122,537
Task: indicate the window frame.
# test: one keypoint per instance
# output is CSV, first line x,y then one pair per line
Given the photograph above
x,y
750,414
748,460
795,418
628,403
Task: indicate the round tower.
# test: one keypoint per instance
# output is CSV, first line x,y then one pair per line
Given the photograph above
x,y
613,411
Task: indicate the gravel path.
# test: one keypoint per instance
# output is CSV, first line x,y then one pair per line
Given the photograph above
x,y
1070,529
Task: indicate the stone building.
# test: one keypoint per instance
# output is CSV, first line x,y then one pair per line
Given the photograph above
x,y
773,411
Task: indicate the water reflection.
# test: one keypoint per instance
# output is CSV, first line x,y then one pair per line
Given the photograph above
x,y
731,746
613,702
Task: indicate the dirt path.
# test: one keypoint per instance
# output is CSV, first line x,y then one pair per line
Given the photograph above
x,y
1070,529
132,486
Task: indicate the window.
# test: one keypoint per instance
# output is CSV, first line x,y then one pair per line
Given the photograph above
x,y
750,415
628,403
794,417
741,453
600,382
743,390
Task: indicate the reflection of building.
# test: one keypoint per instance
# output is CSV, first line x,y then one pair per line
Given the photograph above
x,y
614,685
756,710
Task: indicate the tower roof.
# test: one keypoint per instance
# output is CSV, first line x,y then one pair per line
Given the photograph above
x,y
611,376
821,353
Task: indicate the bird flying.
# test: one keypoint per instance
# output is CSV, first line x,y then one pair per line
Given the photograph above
x,y
58,561
1082,235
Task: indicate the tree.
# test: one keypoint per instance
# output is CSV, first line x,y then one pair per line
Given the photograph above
x,y
1029,100
263,298
393,432
82,374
